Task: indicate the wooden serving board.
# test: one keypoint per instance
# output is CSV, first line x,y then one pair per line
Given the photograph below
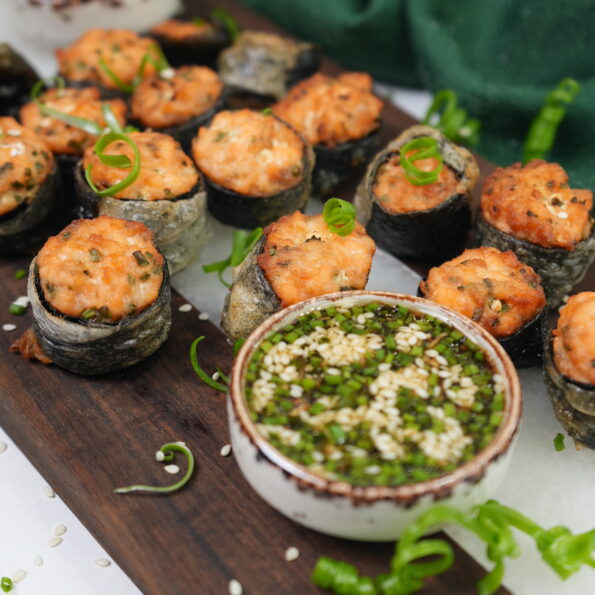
x,y
89,435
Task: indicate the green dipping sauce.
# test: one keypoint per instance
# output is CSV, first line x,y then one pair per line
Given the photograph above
x,y
374,394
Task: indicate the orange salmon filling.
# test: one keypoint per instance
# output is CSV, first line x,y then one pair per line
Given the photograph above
x,y
165,171
302,259
534,203
177,30
250,153
492,288
120,49
331,111
25,163
574,338
62,138
104,265
161,101
397,194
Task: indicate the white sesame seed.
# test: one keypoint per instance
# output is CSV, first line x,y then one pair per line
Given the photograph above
x,y
48,492
60,530
102,562
3,446
225,450
562,215
9,327
185,308
372,469
38,561
203,316
291,554
19,575
160,456
13,132
22,300
167,73
216,375
54,542
173,469
235,587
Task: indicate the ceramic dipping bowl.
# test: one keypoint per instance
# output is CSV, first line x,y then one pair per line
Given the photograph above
x,y
368,513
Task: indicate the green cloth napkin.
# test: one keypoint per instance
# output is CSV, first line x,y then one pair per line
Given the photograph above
x,y
500,56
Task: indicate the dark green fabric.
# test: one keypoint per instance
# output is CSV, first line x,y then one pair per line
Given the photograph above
x,y
500,56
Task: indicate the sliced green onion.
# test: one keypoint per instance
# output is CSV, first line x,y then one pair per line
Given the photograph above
x,y
200,372
222,16
559,442
241,244
452,120
82,123
17,309
168,455
339,215
267,111
119,161
424,148
20,274
124,87
110,118
542,132
238,345
6,584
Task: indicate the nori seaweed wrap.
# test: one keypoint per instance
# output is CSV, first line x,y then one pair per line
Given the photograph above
x,y
432,232
17,77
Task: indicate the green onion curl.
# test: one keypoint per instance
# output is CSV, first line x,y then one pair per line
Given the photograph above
x,y
199,370
424,147
339,215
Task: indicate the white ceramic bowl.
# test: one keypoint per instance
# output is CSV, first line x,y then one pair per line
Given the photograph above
x,y
369,513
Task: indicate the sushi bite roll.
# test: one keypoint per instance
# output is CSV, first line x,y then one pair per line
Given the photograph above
x,y
256,168
497,291
112,59
198,41
533,211
156,183
69,120
414,199
177,102
29,189
569,366
298,257
100,296
17,77
266,65
340,118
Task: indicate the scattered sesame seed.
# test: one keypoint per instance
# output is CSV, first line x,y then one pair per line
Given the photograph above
x,y
38,561
203,316
160,456
13,132
562,215
48,492
22,300
173,469
185,308
103,562
167,73
19,575
225,450
215,375
291,554
60,530
3,446
54,542
9,327
235,587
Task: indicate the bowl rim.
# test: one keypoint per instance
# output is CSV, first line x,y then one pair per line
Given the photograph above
x,y
470,471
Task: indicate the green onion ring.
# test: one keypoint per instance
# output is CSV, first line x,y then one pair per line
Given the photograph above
x,y
168,452
119,161
110,118
114,77
198,368
339,215
425,148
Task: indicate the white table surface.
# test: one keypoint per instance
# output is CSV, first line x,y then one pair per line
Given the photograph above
x,y
553,488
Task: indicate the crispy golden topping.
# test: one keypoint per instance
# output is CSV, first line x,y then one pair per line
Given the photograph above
x,y
177,30
491,287
166,171
332,111
535,203
250,153
175,96
25,163
101,269
122,51
574,338
396,194
62,138
302,258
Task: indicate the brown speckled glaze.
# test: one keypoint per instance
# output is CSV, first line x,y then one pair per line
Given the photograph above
x,y
404,495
